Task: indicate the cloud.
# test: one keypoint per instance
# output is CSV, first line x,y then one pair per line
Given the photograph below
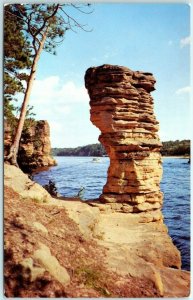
x,y
51,89
65,105
184,90
73,133
185,42
51,96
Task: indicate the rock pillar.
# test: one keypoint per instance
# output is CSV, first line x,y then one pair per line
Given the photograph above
x,y
122,108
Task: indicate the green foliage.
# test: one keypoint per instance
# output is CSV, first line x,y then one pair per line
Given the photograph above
x,y
93,278
26,133
17,59
9,114
35,27
36,199
27,160
12,120
51,188
176,148
37,143
24,28
89,150
26,163
52,20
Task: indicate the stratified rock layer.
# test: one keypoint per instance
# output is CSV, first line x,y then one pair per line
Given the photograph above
x,y
35,146
122,108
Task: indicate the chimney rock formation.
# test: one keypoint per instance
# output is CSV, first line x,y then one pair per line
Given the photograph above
x,y
122,108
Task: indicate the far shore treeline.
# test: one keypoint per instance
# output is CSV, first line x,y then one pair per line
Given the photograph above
x,y
170,148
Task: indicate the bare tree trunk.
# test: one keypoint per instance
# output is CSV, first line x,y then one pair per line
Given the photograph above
x,y
12,157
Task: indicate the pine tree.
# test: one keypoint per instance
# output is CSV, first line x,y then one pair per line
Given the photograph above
x,y
44,25
17,58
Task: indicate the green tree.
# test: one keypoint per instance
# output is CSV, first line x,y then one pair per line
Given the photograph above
x,y
17,58
44,25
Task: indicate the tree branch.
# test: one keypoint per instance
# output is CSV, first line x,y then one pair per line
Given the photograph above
x,y
75,22
80,10
46,19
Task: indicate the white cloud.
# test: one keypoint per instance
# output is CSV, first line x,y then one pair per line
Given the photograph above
x,y
51,96
68,133
184,90
185,42
57,133
63,110
52,89
65,105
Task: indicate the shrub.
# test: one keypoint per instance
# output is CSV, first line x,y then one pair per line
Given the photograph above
x,y
51,188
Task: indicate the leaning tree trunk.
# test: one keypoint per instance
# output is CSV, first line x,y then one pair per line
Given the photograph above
x,y
12,157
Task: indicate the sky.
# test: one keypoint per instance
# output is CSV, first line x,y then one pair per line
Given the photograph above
x,y
145,37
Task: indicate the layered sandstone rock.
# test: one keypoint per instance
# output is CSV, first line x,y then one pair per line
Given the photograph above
x,y
122,108
42,145
35,147
127,255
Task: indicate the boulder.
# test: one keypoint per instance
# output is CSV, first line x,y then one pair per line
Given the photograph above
x,y
25,187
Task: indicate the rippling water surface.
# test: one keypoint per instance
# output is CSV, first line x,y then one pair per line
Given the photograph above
x,y
72,173
176,187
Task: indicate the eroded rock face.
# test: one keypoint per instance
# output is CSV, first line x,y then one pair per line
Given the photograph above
x,y
122,108
42,145
35,147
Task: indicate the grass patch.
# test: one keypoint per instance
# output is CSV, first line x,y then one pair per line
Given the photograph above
x,y
35,199
100,236
93,279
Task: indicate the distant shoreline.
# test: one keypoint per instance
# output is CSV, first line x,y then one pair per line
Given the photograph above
x,y
169,149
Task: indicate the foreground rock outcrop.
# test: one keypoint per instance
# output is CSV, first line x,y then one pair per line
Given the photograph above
x,y
122,108
46,253
72,248
35,146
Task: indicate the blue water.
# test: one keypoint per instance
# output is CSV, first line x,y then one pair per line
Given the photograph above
x,y
176,210
72,173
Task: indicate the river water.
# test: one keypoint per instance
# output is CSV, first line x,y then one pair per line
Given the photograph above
x,y
72,173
